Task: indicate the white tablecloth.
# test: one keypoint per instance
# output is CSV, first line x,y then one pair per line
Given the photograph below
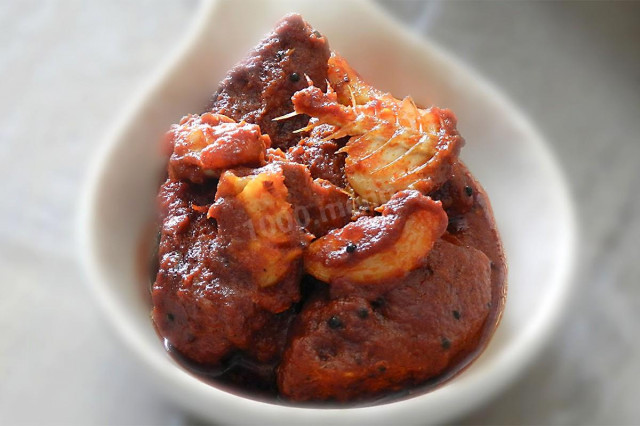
x,y
67,67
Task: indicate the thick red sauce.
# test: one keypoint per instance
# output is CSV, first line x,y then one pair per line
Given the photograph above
x,y
242,375
242,312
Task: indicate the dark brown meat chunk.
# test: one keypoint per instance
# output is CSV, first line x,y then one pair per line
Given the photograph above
x,y
471,224
205,306
259,88
355,347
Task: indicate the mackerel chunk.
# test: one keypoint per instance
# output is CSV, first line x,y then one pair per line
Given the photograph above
x,y
260,87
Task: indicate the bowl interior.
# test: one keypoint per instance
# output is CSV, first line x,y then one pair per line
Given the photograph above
x,y
527,191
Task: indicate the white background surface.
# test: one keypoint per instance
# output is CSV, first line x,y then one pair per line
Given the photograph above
x,y
67,68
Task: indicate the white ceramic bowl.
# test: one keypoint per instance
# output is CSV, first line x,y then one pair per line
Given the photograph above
x,y
529,196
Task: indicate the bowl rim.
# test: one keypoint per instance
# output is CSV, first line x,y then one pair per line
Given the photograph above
x,y
513,359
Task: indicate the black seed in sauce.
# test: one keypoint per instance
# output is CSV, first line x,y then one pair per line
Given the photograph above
x,y
456,224
351,247
382,368
378,303
170,317
446,344
294,77
456,315
468,190
335,322
363,313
